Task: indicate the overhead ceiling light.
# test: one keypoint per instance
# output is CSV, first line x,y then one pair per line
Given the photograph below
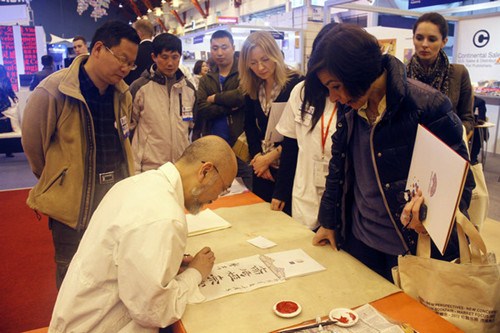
x,y
149,10
158,11
120,5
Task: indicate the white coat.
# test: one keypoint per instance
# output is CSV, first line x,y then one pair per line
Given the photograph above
x,y
123,277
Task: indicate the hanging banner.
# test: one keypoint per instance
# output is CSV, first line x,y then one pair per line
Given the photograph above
x,y
9,54
12,2
427,3
28,37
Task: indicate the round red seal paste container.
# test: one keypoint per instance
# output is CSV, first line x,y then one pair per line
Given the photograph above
x,y
287,308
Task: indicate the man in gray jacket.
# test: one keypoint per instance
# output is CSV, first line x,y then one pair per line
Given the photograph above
x,y
163,107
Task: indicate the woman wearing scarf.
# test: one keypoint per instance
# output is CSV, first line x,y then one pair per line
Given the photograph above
x,y
430,65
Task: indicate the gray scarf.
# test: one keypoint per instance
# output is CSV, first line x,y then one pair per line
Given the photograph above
x,y
437,75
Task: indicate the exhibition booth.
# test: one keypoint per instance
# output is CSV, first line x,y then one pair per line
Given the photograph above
x,y
196,45
475,43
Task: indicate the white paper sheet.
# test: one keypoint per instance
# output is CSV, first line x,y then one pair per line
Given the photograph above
x,y
261,242
237,276
205,221
272,135
249,273
295,263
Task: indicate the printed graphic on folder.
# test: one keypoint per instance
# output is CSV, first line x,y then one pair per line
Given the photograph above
x,y
440,173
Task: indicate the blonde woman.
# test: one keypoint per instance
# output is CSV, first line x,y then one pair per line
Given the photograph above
x,y
265,79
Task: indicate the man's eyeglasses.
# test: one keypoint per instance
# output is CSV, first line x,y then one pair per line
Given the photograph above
x,y
226,190
122,60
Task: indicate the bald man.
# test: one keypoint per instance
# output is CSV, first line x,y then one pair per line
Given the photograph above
x,y
129,273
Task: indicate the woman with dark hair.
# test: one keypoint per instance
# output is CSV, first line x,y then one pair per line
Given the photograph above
x,y
6,91
379,110
431,66
307,143
200,69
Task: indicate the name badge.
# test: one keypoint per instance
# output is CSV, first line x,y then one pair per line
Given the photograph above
x,y
187,113
124,126
320,172
306,121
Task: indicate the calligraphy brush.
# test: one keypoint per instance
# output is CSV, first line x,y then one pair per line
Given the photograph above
x,y
297,329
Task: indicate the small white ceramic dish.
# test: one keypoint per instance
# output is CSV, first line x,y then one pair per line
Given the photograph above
x,y
287,308
344,317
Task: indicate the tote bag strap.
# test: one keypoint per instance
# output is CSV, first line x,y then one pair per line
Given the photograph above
x,y
478,249
471,244
424,246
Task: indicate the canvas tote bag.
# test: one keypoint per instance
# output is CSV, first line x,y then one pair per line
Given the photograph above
x,y
480,201
467,293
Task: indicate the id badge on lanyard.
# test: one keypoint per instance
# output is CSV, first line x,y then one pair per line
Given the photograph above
x,y
320,172
321,165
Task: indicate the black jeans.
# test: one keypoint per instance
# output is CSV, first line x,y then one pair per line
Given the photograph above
x,y
66,241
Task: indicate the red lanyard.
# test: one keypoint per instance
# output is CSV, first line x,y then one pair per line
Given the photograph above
x,y
324,134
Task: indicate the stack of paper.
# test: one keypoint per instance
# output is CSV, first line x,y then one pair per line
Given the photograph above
x,y
205,221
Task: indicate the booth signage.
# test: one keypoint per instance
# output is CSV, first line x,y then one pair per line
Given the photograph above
x,y
280,35
227,19
28,37
198,39
12,2
9,54
426,3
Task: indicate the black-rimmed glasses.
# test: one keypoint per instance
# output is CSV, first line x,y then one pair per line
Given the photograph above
x,y
122,60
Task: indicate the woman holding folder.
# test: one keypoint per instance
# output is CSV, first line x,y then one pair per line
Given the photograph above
x,y
363,209
265,80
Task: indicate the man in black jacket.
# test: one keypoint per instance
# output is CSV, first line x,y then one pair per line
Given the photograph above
x,y
220,104
48,68
144,59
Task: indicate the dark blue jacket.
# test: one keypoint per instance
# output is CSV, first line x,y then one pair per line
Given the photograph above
x,y
409,103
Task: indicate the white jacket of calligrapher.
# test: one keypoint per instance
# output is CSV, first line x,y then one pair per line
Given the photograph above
x,y
123,277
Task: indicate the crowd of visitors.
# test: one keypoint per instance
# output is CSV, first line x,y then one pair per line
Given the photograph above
x,y
125,139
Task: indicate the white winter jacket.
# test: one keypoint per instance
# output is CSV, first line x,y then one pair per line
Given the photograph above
x,y
161,119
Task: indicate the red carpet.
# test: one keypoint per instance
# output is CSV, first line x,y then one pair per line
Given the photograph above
x,y
27,278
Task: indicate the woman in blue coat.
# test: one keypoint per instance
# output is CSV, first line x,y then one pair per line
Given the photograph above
x,y
378,115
